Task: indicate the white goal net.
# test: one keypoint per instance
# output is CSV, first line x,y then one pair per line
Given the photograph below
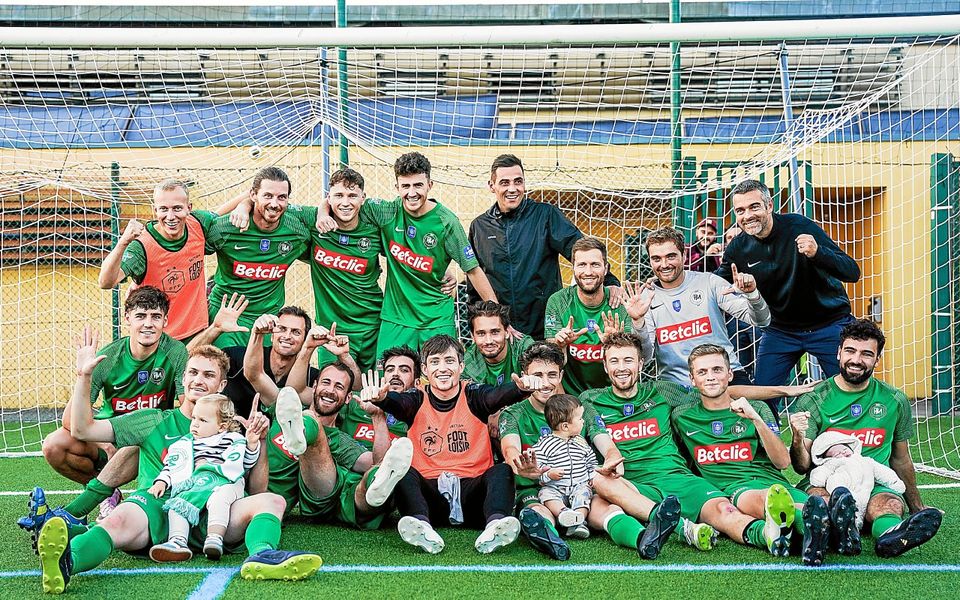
x,y
624,136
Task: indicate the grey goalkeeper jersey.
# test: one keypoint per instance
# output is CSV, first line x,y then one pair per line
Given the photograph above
x,y
691,314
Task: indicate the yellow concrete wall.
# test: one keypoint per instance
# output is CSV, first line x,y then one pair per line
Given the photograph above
x,y
42,307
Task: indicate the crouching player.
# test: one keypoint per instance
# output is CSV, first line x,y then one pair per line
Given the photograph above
x,y
735,445
140,521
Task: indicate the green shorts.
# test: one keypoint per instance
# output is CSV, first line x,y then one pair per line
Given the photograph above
x,y
339,504
363,348
735,490
392,335
158,524
692,491
526,496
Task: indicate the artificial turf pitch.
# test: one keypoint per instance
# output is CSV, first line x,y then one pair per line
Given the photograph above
x,y
379,565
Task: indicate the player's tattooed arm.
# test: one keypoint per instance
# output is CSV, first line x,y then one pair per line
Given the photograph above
x,y
253,360
902,465
81,423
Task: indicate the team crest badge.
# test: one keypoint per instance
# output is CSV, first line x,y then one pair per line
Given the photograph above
x,y
363,244
550,321
430,240
738,428
628,410
156,375
468,252
878,411
264,245
411,231
647,405
284,247
676,306
391,420
716,427
591,325
856,410
599,421
544,431
697,297
500,379
430,442
344,239
773,427
142,376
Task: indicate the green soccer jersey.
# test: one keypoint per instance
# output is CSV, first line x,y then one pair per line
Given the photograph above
x,y
255,263
355,422
285,468
345,270
133,263
879,415
418,250
524,420
640,426
476,368
584,368
153,431
129,384
724,447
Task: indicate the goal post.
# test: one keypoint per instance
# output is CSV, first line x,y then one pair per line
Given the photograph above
x,y
92,120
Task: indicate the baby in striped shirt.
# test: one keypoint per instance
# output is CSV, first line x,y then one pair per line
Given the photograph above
x,y
569,463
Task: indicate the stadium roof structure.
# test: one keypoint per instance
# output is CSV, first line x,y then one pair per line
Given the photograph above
x,y
361,13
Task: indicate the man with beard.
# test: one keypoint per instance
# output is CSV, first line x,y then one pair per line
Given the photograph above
x,y
580,317
141,370
736,446
287,330
333,478
800,272
140,521
253,261
637,417
494,356
856,403
167,254
453,479
703,256
523,424
401,371
689,308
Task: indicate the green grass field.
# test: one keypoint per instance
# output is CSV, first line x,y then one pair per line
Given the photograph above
x,y
379,564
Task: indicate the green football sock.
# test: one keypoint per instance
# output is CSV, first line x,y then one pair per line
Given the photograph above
x,y
93,494
624,530
263,533
753,534
90,549
798,521
884,523
550,526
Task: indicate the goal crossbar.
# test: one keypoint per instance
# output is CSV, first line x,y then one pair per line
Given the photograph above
x,y
186,37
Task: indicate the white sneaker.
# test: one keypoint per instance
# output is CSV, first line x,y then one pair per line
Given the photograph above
x,y
420,534
580,532
499,533
395,464
289,415
570,518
